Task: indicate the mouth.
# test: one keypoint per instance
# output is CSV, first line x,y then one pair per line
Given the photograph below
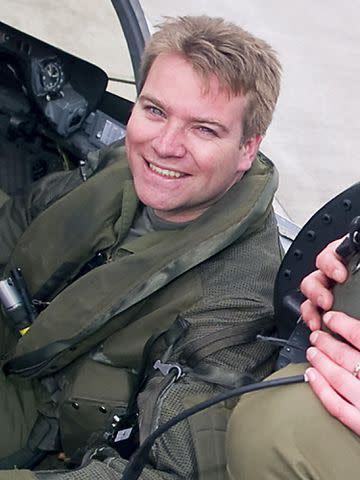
x,y
164,172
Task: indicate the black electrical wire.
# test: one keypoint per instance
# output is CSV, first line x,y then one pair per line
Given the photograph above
x,y
137,462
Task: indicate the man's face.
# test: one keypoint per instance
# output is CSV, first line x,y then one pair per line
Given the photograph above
x,y
183,143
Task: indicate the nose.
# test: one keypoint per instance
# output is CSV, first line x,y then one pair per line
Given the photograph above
x,y
169,142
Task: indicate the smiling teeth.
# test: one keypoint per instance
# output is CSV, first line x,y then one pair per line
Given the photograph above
x,y
165,173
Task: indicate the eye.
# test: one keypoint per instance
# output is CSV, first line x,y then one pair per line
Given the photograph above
x,y
206,131
154,110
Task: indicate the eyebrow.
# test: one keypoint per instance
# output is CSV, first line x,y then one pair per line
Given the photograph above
x,y
154,100
208,121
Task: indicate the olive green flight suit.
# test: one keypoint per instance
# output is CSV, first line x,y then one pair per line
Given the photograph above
x,y
217,273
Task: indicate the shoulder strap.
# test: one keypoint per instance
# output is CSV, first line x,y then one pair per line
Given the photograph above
x,y
193,353
197,350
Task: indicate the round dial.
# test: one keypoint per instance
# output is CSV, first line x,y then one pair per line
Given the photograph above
x,y
51,76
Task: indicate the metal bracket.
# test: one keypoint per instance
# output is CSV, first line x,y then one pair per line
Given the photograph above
x,y
166,368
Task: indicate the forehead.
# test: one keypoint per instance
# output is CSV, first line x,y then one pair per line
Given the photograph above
x,y
173,81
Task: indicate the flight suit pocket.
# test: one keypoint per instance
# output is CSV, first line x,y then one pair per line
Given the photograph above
x,y
91,393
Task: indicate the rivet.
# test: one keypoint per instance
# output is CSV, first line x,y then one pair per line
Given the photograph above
x,y
311,235
347,204
75,405
298,254
287,273
102,409
326,218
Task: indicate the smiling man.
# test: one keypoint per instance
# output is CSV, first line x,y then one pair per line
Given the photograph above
x,y
188,151
155,279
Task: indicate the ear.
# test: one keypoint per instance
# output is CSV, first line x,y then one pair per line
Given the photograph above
x,y
248,151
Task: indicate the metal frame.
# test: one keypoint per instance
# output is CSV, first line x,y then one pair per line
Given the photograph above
x,y
133,22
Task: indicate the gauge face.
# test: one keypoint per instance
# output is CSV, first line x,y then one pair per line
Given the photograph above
x,y
51,76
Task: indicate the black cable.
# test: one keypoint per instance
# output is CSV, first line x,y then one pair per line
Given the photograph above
x,y
138,460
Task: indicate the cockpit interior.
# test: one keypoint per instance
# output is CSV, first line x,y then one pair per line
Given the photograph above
x,y
54,110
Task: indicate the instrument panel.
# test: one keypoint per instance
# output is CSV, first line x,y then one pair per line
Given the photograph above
x,y
54,110
64,88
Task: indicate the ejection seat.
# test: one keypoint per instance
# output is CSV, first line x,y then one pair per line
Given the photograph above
x,y
332,221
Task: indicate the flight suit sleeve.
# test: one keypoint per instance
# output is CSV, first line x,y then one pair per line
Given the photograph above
x,y
14,219
19,211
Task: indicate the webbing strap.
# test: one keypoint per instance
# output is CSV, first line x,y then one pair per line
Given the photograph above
x,y
43,438
171,336
193,352
221,376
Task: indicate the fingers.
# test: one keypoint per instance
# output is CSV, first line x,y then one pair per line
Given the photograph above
x,y
333,402
316,287
339,352
311,315
347,327
330,263
339,379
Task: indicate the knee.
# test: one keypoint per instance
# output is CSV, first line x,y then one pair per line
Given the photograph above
x,y
264,432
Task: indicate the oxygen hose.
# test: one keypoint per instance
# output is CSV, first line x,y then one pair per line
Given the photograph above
x,y
137,462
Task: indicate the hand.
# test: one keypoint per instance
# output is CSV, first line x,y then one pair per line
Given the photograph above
x,y
317,285
332,375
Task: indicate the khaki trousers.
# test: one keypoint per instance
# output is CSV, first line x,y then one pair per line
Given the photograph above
x,y
286,434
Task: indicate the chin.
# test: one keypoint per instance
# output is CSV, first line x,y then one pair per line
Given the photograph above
x,y
151,199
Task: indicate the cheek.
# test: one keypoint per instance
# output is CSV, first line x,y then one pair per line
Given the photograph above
x,y
132,131
141,131
209,157
131,144
220,166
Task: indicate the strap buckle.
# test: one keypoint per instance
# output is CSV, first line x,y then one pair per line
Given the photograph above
x,y
166,368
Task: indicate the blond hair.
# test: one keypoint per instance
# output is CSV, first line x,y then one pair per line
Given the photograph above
x,y
242,63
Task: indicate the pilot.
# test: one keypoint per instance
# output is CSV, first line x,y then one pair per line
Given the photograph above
x,y
151,279
300,432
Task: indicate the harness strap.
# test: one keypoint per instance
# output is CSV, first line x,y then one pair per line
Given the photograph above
x,y
171,336
221,376
195,351
42,439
